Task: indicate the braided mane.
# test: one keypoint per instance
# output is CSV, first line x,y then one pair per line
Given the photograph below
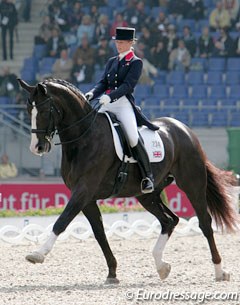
x,y
67,85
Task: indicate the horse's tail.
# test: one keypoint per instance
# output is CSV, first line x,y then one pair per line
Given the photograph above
x,y
219,199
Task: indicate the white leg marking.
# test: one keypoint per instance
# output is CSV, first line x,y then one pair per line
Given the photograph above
x,y
34,139
48,245
158,249
38,256
163,268
220,274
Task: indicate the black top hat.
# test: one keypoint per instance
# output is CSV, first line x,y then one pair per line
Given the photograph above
x,y
123,33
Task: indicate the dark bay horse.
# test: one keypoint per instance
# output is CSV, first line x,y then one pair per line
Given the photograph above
x,y
90,165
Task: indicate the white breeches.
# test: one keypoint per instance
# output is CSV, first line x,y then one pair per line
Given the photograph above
x,y
122,108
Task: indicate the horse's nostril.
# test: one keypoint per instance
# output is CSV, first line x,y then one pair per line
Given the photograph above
x,y
40,148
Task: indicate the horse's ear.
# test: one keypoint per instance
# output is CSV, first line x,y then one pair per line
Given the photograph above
x,y
42,88
25,86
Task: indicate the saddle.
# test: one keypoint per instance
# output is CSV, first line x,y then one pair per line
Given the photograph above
x,y
151,139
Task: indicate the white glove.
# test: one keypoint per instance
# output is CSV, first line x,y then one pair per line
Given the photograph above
x,y
105,99
89,96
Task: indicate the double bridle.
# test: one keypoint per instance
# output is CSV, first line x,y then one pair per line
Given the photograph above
x,y
51,129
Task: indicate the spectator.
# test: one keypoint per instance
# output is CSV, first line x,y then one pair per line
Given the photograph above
x,y
224,46
219,17
75,16
44,32
119,22
136,16
189,40
180,58
103,52
205,43
62,66
59,17
148,72
86,52
177,9
161,20
146,37
26,10
171,38
160,56
91,2
81,73
102,28
85,29
195,9
232,6
7,168
8,83
142,50
9,21
237,41
94,13
21,97
55,43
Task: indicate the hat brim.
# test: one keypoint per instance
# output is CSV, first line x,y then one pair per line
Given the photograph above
x,y
114,38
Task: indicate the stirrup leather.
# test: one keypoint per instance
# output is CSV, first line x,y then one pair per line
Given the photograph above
x,y
147,186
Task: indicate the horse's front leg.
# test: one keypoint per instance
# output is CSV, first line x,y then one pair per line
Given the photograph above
x,y
92,212
76,203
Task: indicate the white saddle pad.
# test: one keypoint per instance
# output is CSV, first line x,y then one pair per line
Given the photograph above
x,y
152,142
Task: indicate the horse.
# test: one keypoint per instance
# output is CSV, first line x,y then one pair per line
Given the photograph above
x,y
89,167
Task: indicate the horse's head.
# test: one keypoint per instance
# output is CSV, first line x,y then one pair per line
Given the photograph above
x,y
44,116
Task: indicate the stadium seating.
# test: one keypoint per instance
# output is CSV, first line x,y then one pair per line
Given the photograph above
x,y
216,64
199,91
217,91
176,78
39,51
195,78
233,64
197,97
162,91
214,78
45,67
180,91
232,78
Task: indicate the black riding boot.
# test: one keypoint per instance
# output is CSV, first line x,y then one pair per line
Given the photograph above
x,y
140,154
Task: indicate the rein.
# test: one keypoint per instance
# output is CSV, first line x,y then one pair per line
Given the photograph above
x,y
95,109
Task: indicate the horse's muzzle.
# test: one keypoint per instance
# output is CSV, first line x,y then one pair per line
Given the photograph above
x,y
43,148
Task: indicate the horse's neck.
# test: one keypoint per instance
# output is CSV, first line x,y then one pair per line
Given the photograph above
x,y
72,111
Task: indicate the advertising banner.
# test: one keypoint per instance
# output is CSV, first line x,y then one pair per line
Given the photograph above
x,y
24,196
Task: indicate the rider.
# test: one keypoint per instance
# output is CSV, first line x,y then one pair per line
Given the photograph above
x,y
117,84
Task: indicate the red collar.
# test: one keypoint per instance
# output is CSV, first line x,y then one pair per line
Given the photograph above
x,y
129,56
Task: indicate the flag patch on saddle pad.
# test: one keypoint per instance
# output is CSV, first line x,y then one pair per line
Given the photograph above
x,y
152,142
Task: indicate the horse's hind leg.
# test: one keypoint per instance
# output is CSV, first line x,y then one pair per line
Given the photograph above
x,y
195,188
168,220
92,212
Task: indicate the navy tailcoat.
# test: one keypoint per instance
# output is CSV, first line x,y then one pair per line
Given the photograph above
x,y
120,78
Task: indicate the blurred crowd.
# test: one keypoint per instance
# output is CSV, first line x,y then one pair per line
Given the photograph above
x,y
78,34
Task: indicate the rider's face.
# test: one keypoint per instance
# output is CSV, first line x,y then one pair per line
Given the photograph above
x,y
123,45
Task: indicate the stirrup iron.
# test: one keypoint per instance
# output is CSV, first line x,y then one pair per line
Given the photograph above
x,y
147,186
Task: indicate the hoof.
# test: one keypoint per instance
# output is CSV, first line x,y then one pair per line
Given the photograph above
x,y
111,281
224,277
164,270
35,258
